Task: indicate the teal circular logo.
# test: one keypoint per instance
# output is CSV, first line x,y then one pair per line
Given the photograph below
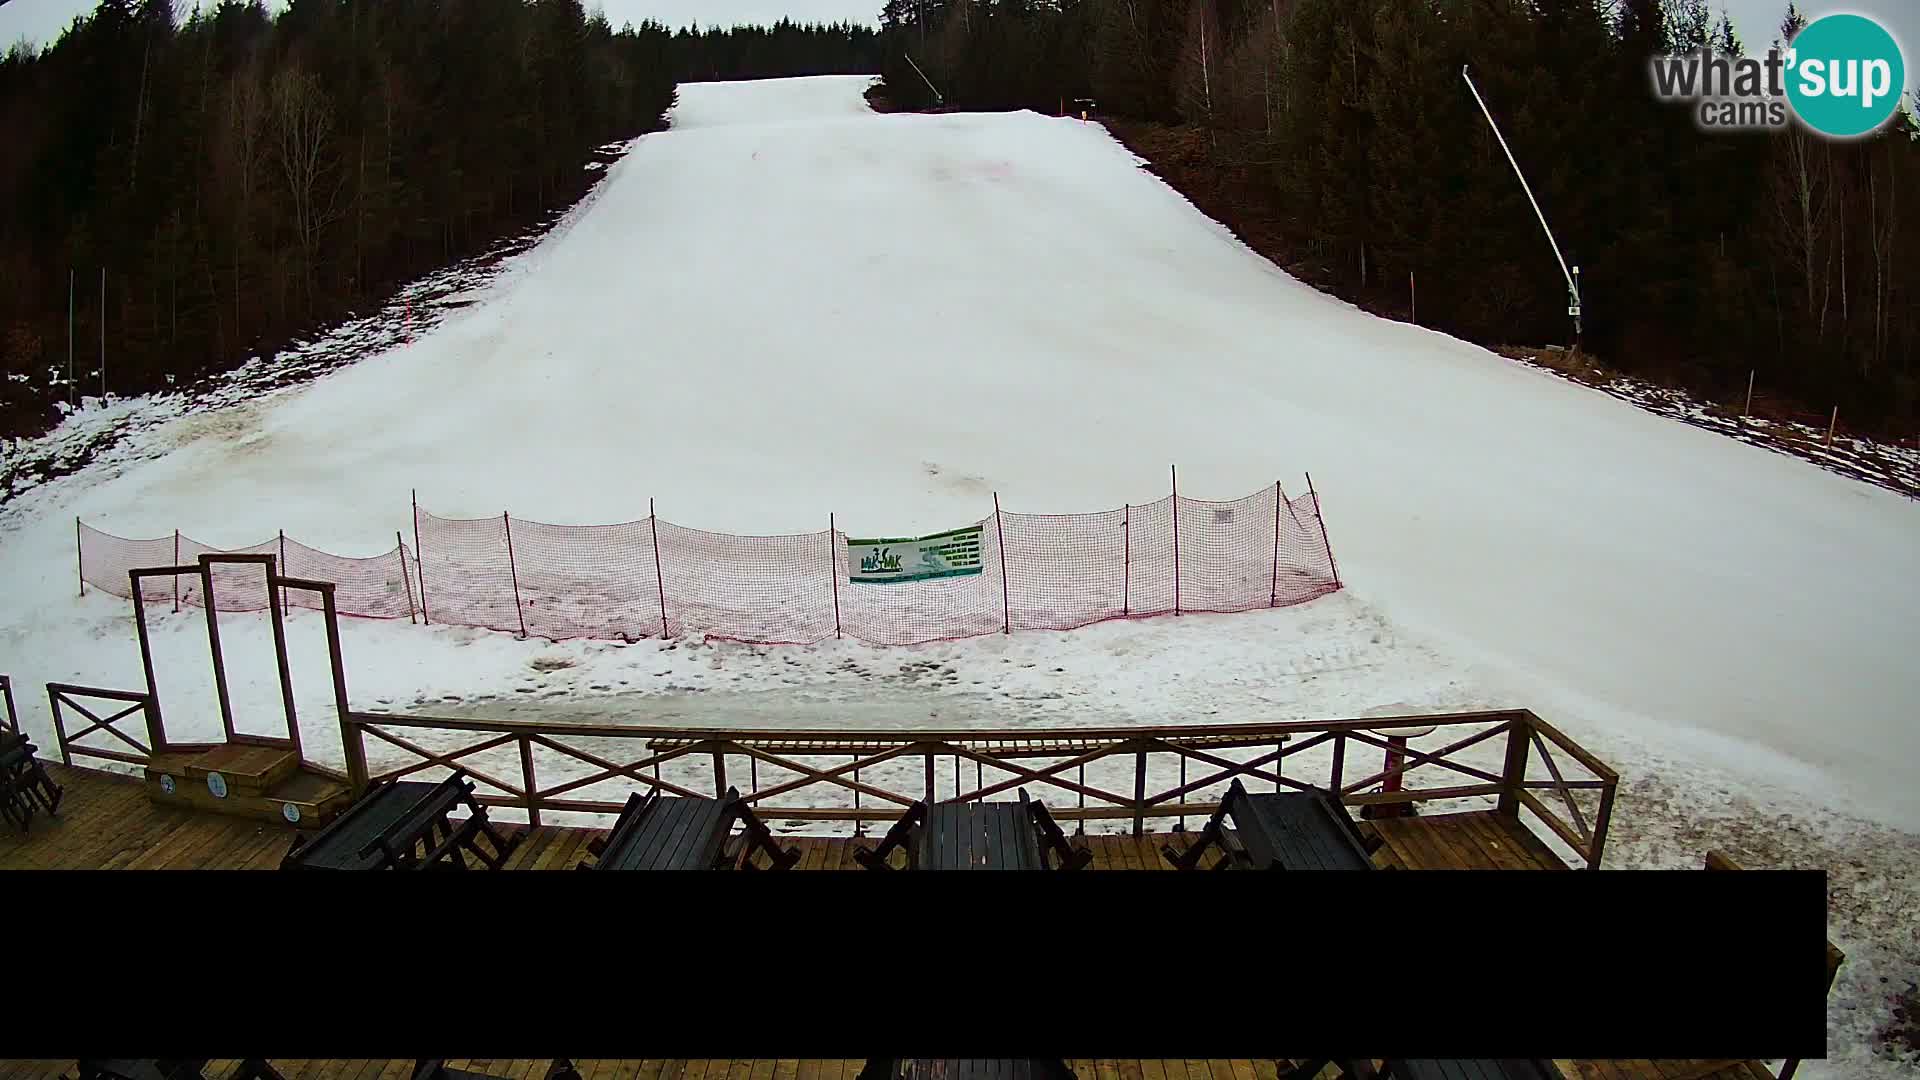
x,y
1845,75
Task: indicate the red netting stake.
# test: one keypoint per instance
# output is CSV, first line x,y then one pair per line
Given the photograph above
x,y
420,557
833,568
653,525
1331,565
401,546
1126,559
1006,605
514,571
176,577
80,558
1175,474
283,570
1275,597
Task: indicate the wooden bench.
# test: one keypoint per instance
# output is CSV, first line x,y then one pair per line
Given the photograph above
x,y
168,1069
405,826
656,832
436,1069
1720,860
1299,830
24,783
1431,1069
964,1069
978,836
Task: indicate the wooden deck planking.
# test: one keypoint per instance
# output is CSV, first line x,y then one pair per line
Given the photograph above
x,y
837,1069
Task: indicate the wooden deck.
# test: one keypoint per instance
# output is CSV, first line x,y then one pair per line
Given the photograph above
x,y
790,1069
107,822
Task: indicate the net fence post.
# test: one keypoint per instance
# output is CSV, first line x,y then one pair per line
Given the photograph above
x,y
80,559
1274,597
1006,604
405,581
513,571
659,581
176,577
1325,542
283,570
1175,475
420,560
833,570
1126,559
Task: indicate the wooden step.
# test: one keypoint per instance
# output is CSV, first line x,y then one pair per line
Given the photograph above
x,y
266,784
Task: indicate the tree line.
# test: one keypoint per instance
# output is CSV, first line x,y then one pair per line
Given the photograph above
x,y
1703,257
245,177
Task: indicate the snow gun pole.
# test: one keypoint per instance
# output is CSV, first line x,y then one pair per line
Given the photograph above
x,y
937,99
1572,275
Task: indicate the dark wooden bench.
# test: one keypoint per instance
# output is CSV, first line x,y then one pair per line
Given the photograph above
x,y
1720,860
404,825
168,1069
965,1069
1296,830
436,1069
978,836
656,832
1432,1069
24,783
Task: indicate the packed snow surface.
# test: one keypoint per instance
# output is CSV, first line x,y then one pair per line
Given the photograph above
x,y
788,306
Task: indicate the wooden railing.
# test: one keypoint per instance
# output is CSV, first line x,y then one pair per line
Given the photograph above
x,y
862,770
68,695
11,721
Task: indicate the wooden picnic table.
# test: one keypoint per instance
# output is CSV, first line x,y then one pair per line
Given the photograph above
x,y
384,829
965,1069
1432,1069
978,836
656,832
1297,830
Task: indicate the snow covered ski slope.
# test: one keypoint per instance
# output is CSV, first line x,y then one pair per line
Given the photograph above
x,y
787,305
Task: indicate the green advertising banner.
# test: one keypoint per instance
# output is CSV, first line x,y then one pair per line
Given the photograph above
x,y
915,558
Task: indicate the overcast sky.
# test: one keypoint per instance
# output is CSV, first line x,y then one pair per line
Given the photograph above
x,y
1756,20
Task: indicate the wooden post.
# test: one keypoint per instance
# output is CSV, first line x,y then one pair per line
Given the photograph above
x,y
278,618
60,729
1413,301
400,546
833,568
1514,773
526,781
1006,605
80,560
514,571
420,559
1274,597
659,581
1140,792
930,792
176,577
208,602
352,742
1601,819
719,774
1175,474
1833,423
156,732
1331,565
1339,762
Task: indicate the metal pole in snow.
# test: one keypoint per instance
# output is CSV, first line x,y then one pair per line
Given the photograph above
x,y
103,333
1573,275
1748,411
1831,424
